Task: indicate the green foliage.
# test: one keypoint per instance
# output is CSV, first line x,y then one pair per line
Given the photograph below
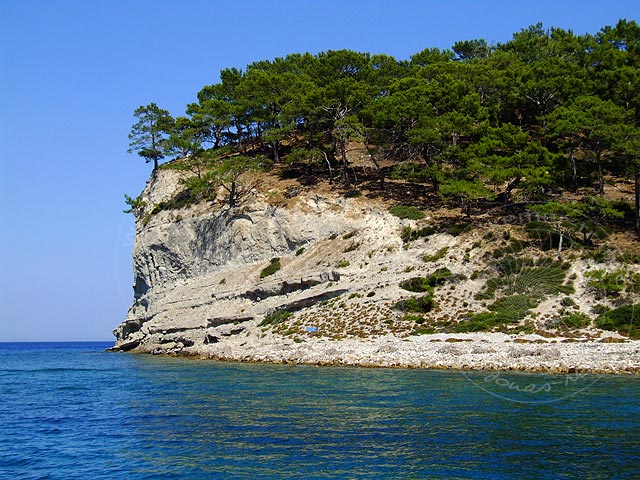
x,y
546,111
300,251
343,264
456,229
273,267
524,276
149,135
353,193
605,283
422,304
419,319
575,320
624,320
409,234
436,256
352,247
417,284
275,318
629,258
406,212
426,284
136,205
505,311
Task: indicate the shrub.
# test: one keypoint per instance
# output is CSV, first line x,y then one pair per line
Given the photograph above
x,y
352,247
352,193
507,310
300,251
409,234
422,304
623,320
276,317
419,319
404,211
606,284
456,229
436,256
426,284
349,235
536,278
416,284
424,331
343,264
270,269
575,320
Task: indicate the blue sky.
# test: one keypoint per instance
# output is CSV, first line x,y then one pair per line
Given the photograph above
x,y
72,72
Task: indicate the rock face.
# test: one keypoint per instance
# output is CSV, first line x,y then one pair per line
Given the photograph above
x,y
335,270
198,270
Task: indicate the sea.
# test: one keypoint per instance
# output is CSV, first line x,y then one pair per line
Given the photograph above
x,y
75,411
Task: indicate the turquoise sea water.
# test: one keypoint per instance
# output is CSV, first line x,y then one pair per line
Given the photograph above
x,y
70,410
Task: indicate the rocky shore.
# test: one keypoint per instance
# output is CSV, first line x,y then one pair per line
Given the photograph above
x,y
477,351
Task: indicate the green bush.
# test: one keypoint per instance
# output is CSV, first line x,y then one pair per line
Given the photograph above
x,y
354,246
404,211
300,251
352,193
416,284
409,234
606,284
419,319
506,311
575,320
274,318
436,256
422,304
624,320
456,229
427,284
536,278
270,269
343,264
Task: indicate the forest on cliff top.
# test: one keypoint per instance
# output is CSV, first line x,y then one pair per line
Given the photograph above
x,y
549,120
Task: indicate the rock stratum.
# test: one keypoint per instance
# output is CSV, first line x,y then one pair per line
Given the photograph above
x,y
201,289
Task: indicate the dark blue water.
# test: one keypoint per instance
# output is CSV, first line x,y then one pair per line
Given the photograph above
x,y
72,411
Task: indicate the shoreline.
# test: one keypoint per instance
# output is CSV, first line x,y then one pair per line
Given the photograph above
x,y
464,352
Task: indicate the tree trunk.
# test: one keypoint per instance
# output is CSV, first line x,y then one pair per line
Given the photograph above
x,y
276,157
600,175
574,169
379,170
636,178
326,159
345,163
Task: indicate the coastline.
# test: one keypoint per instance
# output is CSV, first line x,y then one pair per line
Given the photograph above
x,y
472,351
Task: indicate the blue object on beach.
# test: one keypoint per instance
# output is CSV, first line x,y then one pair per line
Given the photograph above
x,y
312,329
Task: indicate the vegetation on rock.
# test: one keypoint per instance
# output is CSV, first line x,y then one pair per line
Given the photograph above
x,y
519,121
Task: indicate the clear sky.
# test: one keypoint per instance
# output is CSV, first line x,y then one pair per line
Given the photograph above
x,y
73,71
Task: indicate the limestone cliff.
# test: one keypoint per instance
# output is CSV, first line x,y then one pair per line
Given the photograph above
x,y
336,267
197,270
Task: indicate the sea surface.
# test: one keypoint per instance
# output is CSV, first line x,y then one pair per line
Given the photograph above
x,y
73,411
